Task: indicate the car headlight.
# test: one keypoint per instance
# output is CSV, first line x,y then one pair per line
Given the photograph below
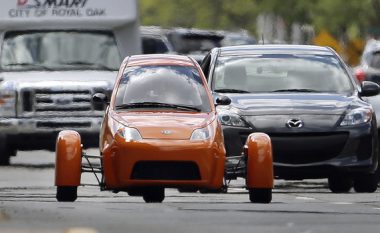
x,y
7,101
202,133
231,119
129,134
357,116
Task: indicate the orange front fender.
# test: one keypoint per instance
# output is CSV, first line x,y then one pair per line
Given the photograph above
x,y
68,163
258,149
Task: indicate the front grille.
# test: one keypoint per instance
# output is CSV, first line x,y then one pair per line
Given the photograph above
x,y
63,124
303,148
56,102
165,170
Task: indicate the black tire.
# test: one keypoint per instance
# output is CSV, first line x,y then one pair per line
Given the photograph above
x,y
260,195
5,152
340,183
154,195
366,183
66,193
188,190
4,158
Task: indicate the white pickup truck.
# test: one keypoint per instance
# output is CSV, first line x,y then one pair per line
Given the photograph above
x,y
54,55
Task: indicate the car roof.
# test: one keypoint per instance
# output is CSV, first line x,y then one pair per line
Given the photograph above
x,y
274,49
160,59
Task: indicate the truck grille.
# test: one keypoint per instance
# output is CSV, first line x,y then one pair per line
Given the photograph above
x,y
53,102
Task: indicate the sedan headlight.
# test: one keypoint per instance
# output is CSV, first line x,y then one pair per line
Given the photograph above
x,y
231,119
357,116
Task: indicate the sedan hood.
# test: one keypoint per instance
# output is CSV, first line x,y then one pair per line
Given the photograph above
x,y
279,104
272,112
177,126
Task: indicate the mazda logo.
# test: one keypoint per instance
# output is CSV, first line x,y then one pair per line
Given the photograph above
x,y
294,123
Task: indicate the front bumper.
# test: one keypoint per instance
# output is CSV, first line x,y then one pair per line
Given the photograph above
x,y
301,155
41,133
164,163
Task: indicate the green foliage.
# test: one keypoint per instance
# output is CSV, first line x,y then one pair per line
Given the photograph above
x,y
340,17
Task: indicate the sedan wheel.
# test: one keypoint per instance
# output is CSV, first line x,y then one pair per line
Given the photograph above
x,y
366,183
340,183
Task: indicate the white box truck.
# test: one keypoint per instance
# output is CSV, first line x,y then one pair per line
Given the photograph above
x,y
54,55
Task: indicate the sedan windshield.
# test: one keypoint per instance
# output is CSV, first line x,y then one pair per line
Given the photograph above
x,y
59,50
281,73
162,87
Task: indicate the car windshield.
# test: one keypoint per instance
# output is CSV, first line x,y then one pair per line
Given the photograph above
x,y
59,50
179,87
280,73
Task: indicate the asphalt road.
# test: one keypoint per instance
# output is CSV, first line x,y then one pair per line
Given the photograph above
x,y
27,204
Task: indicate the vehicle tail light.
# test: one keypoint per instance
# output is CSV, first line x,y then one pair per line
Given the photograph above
x,y
360,75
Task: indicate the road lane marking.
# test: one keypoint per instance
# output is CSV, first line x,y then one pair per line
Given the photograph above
x,y
80,230
342,203
306,198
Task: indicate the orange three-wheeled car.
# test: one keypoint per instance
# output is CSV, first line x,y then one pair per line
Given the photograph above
x,y
160,130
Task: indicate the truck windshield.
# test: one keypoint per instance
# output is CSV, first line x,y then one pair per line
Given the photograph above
x,y
59,50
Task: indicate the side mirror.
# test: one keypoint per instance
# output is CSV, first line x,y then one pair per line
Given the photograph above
x,y
100,98
369,88
222,100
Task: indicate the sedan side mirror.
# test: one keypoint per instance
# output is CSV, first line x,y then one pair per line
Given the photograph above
x,y
222,100
369,89
99,98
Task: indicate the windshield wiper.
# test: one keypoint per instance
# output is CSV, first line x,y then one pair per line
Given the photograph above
x,y
231,91
157,105
29,64
297,90
89,64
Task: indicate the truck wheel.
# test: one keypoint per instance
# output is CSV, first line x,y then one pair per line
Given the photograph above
x,y
5,152
340,183
260,195
154,195
366,183
5,156
66,193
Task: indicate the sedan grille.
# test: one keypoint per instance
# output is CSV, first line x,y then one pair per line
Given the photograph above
x,y
307,148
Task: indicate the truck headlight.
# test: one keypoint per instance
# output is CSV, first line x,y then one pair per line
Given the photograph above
x,y
357,116
231,119
7,102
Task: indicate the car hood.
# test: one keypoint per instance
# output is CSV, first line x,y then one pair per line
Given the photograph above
x,y
179,126
58,79
271,112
